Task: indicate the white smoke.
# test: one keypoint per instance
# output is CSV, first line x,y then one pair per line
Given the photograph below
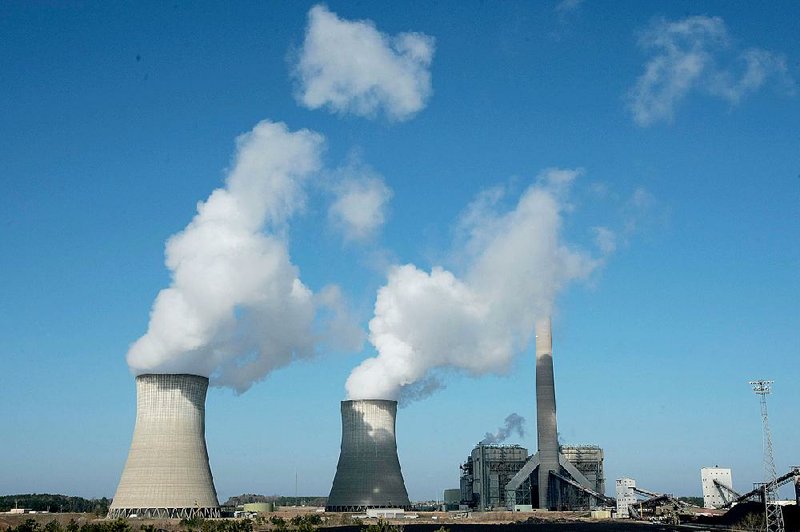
x,y
689,55
351,67
360,205
236,308
514,423
517,264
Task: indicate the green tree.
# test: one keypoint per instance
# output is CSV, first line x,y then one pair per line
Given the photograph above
x,y
278,522
381,526
53,526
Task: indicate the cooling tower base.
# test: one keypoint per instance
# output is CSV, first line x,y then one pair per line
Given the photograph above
x,y
163,513
362,508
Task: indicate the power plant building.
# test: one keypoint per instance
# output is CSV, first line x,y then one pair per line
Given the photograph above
x,y
368,474
626,496
167,474
486,472
717,487
588,459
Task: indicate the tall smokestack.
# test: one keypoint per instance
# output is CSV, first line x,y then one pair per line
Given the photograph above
x,y
167,473
368,474
546,429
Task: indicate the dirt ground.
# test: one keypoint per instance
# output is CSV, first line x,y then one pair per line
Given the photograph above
x,y
425,522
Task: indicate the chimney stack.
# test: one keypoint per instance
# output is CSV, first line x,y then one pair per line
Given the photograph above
x,y
546,429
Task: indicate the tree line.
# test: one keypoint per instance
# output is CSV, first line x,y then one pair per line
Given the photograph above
x,y
46,502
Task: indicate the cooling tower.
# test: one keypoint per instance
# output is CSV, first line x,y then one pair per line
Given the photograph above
x,y
368,474
167,473
547,432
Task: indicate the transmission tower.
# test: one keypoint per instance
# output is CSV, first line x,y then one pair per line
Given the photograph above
x,y
772,510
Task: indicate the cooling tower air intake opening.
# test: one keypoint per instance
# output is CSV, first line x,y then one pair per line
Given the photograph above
x,y
368,474
167,474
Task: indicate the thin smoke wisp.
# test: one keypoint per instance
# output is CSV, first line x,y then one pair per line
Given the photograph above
x,y
514,424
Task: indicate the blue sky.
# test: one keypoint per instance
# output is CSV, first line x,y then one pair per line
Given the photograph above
x,y
676,122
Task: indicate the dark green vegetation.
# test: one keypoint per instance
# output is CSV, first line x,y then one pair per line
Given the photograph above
x,y
42,502
30,525
198,524
695,501
300,523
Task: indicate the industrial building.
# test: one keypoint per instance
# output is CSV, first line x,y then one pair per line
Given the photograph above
x,y
167,474
486,472
717,487
451,499
368,474
588,459
490,469
626,496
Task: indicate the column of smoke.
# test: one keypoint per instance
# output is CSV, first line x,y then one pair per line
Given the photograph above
x,y
516,264
514,423
232,277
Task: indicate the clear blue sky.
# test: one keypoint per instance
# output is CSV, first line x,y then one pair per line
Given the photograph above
x,y
117,118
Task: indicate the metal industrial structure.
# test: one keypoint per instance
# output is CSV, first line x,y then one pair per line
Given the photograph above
x,y
368,474
588,459
662,506
549,479
487,471
772,510
167,474
757,493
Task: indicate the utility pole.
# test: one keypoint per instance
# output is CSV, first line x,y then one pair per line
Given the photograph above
x,y
772,510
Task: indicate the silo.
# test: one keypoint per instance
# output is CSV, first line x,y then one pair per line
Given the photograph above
x,y
167,474
368,474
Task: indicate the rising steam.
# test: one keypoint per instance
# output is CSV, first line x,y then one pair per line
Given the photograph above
x,y
236,308
514,423
517,264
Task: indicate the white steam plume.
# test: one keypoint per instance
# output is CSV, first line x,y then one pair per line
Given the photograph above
x,y
351,67
236,308
360,205
514,423
517,264
692,54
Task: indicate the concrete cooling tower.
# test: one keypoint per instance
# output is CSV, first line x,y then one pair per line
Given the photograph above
x,y
167,473
368,474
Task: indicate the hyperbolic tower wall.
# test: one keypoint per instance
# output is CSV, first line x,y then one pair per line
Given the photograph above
x,y
368,474
167,474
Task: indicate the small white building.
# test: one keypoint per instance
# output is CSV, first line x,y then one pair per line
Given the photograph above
x,y
625,496
385,513
714,495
